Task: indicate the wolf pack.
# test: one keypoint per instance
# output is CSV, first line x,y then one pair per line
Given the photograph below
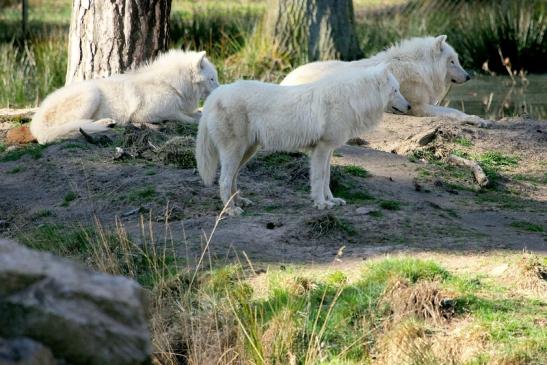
x,y
316,108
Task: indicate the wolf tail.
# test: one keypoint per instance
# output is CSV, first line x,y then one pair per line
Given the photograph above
x,y
66,111
45,134
206,154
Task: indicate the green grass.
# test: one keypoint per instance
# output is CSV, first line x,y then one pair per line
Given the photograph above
x,y
495,159
376,214
527,226
68,198
462,141
494,163
58,239
355,170
390,205
16,170
278,159
511,324
347,183
143,194
32,150
42,213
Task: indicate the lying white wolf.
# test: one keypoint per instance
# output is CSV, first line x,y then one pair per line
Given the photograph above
x,y
167,89
424,67
320,116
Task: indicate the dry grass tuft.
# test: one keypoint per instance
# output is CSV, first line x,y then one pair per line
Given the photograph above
x,y
414,342
424,300
300,285
155,145
408,342
532,275
278,339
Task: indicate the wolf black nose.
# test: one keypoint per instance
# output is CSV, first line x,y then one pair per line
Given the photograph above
x,y
467,78
408,107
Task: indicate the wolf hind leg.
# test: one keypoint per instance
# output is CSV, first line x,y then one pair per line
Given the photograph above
x,y
246,157
230,160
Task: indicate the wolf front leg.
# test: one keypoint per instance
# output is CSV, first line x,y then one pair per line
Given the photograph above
x,y
319,159
441,111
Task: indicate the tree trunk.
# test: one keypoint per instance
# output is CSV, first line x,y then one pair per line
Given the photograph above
x,y
311,30
111,36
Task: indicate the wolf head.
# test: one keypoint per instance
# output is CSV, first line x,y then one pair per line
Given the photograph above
x,y
394,101
448,62
205,75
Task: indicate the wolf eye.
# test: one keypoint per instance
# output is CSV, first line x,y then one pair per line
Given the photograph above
x,y
452,62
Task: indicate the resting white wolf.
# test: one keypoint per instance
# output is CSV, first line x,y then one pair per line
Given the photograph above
x,y
424,67
320,116
167,89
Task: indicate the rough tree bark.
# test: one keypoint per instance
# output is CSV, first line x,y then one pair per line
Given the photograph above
x,y
311,30
111,36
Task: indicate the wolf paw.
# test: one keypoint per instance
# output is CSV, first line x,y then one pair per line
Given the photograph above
x,y
244,202
107,122
326,204
234,211
478,121
338,201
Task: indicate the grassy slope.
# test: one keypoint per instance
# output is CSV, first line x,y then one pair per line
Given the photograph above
x,y
397,310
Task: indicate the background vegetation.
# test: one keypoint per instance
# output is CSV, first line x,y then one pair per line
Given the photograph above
x,y
488,34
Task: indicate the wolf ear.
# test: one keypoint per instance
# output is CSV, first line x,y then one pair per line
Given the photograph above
x,y
200,58
439,42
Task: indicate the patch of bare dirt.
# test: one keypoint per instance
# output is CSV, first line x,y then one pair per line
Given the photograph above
x,y
408,203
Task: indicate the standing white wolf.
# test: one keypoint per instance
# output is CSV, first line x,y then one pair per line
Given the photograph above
x,y
320,116
167,89
425,67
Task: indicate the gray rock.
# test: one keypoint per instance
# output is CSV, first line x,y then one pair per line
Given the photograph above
x,y
84,317
24,351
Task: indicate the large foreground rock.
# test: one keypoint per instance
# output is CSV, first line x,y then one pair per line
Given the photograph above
x,y
84,317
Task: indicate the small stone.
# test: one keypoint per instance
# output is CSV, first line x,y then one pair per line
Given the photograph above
x,y
364,210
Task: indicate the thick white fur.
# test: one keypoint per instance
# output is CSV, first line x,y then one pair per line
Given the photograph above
x,y
167,89
320,116
425,67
